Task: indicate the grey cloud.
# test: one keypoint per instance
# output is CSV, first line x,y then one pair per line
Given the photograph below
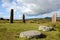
x,y
36,7
42,6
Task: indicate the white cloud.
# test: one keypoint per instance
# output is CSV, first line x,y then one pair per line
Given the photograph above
x,y
1,14
32,7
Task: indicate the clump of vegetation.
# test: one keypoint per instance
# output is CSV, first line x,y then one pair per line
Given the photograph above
x,y
1,18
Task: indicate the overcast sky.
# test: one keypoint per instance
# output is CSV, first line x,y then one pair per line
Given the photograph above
x,y
31,8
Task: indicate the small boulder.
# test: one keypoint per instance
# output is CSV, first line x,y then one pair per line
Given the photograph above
x,y
45,28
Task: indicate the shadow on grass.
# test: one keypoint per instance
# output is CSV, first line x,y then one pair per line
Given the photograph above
x,y
38,36
41,36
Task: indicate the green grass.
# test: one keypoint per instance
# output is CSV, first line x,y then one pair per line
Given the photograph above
x,y
11,31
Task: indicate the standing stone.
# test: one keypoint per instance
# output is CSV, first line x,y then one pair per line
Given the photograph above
x,y
54,18
23,18
11,16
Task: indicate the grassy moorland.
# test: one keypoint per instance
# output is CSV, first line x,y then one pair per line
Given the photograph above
x,y
11,31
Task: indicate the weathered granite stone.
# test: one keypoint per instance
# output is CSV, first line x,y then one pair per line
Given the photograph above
x,y
29,34
45,28
54,17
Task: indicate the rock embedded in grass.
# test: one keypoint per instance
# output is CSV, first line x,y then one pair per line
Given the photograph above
x,y
30,34
45,28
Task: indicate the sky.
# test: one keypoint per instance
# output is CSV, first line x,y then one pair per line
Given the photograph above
x,y
31,8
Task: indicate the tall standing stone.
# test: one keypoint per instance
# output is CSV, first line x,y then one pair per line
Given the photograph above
x,y
23,18
54,18
11,16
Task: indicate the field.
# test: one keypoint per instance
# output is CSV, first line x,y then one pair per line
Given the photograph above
x,y
11,31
